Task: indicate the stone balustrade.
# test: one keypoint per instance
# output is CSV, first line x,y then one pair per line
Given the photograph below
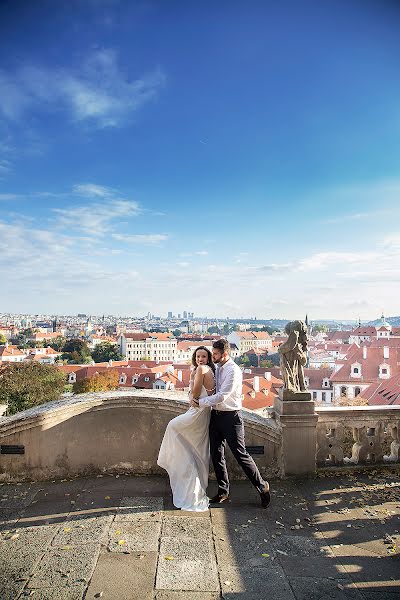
x,y
112,432
121,431
357,435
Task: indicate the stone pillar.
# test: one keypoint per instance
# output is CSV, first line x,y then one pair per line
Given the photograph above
x,y
297,416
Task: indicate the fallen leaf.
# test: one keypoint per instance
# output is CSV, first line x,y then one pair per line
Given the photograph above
x,y
121,542
168,557
66,548
118,532
67,529
265,555
107,497
227,583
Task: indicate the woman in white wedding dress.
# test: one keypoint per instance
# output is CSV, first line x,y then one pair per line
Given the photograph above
x,y
184,451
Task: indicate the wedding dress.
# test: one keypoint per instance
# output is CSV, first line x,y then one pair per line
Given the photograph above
x,y
185,455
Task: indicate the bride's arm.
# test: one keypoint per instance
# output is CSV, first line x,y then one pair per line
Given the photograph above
x,y
198,382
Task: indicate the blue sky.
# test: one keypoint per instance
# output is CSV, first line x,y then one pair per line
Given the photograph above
x,y
230,159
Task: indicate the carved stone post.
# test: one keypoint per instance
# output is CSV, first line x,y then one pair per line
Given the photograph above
x,y
294,407
299,432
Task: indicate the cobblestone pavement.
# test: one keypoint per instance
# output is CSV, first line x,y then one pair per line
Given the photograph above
x,y
119,537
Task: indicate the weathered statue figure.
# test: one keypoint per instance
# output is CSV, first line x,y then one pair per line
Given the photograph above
x,y
294,357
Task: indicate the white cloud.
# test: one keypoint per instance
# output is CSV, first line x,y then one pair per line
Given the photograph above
x,y
150,238
95,219
322,260
92,190
99,92
9,197
357,217
202,253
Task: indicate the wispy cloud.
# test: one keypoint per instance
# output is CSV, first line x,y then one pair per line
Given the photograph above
x,y
9,197
373,214
147,239
99,92
95,219
92,190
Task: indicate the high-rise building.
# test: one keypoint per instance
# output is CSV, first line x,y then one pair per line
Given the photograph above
x,y
170,315
185,314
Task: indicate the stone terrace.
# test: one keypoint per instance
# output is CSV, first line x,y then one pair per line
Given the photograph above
x,y
118,537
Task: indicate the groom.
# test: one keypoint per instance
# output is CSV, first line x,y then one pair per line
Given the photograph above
x,y
226,425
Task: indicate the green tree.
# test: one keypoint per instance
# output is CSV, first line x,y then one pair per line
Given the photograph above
x,y
266,364
320,328
76,351
106,351
23,385
3,339
176,332
253,359
58,343
245,361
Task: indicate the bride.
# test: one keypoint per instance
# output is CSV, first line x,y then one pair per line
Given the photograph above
x,y
184,451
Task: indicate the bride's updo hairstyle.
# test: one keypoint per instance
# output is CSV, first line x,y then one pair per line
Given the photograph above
x,y
209,357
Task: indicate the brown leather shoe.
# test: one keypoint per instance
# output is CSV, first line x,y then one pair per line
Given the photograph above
x,y
219,499
265,498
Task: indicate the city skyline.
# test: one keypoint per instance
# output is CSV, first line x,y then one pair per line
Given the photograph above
x,y
235,160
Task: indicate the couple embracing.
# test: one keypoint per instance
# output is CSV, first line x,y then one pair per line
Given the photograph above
x,y
212,421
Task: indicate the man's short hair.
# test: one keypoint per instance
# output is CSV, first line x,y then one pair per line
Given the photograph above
x,y
222,345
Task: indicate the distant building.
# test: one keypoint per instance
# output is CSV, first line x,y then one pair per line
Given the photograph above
x,y
148,346
247,340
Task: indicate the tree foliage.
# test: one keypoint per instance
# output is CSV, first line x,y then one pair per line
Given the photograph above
x,y
76,351
58,343
106,351
101,382
3,339
23,385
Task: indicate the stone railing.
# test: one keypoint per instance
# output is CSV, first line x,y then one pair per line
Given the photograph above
x,y
112,432
122,431
358,435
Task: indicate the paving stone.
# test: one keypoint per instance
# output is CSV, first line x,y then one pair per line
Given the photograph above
x,y
254,584
186,527
19,556
73,592
123,577
296,545
145,486
311,588
174,595
317,566
370,571
140,507
192,567
139,536
62,567
82,530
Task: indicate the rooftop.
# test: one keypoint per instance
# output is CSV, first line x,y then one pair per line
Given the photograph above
x,y
119,537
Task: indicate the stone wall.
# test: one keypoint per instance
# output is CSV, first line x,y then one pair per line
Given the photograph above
x,y
111,432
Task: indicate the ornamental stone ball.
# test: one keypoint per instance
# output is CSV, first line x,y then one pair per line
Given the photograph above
x,y
293,357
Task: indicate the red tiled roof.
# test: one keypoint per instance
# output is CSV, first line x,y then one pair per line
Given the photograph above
x,y
369,366
253,400
385,392
364,330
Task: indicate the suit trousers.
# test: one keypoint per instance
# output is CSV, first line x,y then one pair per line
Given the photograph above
x,y
227,427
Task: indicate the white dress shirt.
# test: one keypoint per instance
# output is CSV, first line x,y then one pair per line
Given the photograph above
x,y
229,391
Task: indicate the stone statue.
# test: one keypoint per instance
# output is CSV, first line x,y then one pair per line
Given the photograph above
x,y
294,357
